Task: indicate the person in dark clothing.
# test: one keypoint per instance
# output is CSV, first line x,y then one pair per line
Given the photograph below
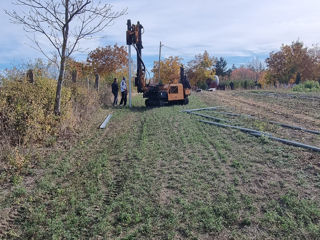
x,y
123,89
115,89
232,85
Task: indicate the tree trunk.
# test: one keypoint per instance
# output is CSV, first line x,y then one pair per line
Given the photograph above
x,y
65,31
96,83
59,87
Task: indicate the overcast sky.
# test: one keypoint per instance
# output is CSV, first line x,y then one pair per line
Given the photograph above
x,y
236,29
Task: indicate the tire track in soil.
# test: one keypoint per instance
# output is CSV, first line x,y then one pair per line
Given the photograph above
x,y
118,166
118,178
117,170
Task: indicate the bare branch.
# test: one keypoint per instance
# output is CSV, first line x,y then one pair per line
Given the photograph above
x,y
64,24
47,17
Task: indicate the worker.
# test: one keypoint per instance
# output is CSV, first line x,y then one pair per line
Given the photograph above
x,y
231,85
123,89
115,90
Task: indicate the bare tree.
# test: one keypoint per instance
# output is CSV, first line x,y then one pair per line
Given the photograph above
x,y
63,23
256,65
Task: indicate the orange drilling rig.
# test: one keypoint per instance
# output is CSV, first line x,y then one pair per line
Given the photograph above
x,y
156,94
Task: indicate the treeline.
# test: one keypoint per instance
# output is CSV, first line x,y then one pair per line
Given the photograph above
x,y
202,69
293,64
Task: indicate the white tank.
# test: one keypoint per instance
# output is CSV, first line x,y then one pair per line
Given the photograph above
x,y
216,79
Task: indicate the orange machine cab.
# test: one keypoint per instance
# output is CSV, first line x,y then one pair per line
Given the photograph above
x,y
176,92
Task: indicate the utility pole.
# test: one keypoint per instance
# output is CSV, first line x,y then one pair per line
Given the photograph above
x,y
129,60
161,45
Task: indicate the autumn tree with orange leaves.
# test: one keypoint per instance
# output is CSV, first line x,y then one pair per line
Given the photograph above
x,y
108,60
243,73
169,70
291,64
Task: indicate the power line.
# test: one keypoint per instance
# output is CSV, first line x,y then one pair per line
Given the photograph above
x,y
175,49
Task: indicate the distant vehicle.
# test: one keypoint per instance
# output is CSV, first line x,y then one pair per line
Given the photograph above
x,y
211,89
198,90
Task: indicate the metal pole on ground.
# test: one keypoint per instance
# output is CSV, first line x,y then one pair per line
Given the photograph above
x,y
105,122
130,102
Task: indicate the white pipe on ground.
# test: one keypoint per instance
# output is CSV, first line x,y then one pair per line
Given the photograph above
x,y
104,124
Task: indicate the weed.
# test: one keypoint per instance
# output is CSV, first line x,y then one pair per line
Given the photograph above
x,y
264,139
19,191
236,164
16,179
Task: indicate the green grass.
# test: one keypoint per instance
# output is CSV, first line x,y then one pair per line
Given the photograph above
x,y
289,215
160,174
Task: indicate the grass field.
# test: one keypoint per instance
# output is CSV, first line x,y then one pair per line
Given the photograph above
x,y
161,174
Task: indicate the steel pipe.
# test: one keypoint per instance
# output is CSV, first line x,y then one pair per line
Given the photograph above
x,y
207,116
104,124
259,134
201,109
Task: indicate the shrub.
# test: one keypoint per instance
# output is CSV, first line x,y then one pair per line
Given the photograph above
x,y
245,84
202,85
27,118
307,86
84,101
26,110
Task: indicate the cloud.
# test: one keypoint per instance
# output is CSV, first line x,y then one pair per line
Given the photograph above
x,y
243,28
223,27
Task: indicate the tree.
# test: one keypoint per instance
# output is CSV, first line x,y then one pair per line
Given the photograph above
x,y
233,67
201,69
314,53
169,69
108,59
221,67
292,60
264,78
257,67
242,73
63,23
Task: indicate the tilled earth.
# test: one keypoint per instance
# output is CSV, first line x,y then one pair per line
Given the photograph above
x,y
292,109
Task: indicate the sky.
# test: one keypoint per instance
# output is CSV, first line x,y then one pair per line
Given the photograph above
x,y
238,30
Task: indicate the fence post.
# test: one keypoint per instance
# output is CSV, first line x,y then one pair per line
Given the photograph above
x,y
96,83
30,76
